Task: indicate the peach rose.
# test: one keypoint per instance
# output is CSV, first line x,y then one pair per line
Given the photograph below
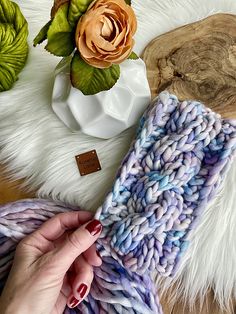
x,y
104,34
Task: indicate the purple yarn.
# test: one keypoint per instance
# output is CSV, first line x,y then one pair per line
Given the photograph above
x,y
19,219
172,170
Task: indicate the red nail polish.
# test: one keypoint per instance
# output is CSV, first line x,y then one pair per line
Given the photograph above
x,y
82,290
73,302
94,227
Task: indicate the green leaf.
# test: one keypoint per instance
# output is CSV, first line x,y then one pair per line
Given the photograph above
x,y
133,56
61,44
90,80
76,10
42,35
60,34
128,2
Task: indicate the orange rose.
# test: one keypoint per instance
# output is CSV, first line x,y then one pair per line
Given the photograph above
x,y
104,34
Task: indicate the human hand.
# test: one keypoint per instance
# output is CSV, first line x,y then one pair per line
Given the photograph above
x,y
53,266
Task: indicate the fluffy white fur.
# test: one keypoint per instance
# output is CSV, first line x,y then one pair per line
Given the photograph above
x,y
38,146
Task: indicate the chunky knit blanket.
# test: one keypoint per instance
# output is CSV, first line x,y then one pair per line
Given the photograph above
x,y
173,169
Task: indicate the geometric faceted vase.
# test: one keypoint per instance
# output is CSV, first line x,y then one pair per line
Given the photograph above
x,y
107,113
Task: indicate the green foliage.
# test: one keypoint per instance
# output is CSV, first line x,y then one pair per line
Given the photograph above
x,y
133,56
76,10
90,80
42,35
60,34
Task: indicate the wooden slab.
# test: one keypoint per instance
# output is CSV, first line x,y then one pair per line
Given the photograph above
x,y
197,61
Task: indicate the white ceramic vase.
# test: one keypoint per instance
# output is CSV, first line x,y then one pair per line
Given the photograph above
x,y
107,113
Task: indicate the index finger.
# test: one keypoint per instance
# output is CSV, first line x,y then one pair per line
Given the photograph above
x,y
55,227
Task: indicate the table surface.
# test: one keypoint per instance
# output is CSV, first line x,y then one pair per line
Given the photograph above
x,y
11,190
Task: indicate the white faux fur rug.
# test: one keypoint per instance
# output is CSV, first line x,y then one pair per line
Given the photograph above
x,y
39,147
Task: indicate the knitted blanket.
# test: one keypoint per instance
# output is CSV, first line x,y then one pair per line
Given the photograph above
x,y
173,169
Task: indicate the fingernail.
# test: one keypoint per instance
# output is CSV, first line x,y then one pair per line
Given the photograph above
x,y
82,290
94,227
73,302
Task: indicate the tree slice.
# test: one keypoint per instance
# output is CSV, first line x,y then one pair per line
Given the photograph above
x,y
197,61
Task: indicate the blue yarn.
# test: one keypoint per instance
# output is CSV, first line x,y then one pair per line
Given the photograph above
x,y
173,169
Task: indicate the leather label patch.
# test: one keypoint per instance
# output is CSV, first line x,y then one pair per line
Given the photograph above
x,y
88,163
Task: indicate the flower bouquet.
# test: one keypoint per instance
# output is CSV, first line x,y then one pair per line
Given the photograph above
x,y
95,38
98,33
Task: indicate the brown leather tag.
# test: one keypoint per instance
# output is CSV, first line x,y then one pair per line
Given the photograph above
x,y
88,163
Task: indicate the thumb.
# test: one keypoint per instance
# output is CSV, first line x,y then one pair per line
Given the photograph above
x,y
77,242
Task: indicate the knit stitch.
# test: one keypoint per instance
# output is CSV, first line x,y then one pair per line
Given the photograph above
x,y
172,170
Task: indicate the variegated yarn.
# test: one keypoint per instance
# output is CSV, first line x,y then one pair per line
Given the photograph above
x,y
174,167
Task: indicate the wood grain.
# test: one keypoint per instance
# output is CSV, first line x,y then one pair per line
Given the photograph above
x,y
11,191
209,306
197,61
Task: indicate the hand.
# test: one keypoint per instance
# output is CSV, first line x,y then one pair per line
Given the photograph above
x,y
53,266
